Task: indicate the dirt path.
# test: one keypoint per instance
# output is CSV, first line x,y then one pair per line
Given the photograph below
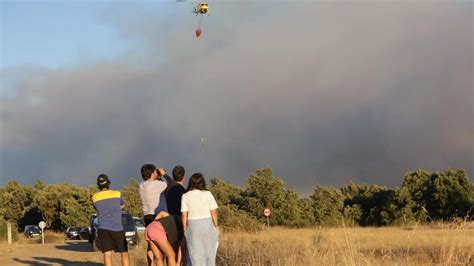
x,y
69,253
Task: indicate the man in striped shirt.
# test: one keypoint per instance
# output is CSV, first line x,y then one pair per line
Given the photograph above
x,y
109,205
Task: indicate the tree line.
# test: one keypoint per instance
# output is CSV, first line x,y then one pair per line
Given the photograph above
x,y
422,197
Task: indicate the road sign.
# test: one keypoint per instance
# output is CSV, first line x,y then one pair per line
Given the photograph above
x,y
42,224
267,212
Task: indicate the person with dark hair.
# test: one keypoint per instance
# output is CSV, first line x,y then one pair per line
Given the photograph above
x,y
109,205
199,218
160,233
151,191
174,193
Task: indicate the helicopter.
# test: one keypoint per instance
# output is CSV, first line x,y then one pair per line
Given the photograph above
x,y
201,8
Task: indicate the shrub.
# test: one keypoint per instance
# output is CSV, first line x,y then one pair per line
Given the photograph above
x,y
3,231
231,218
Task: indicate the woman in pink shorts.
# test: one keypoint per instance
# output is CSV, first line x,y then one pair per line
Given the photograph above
x,y
155,235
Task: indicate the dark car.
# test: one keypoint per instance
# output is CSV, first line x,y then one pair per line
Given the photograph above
x,y
73,233
85,233
32,230
129,228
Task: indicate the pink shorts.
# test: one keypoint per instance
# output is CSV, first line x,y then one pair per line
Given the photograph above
x,y
155,231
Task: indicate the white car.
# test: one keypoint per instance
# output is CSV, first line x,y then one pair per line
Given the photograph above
x,y
139,223
73,233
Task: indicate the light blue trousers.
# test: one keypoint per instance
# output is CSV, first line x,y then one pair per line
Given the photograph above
x,y
202,240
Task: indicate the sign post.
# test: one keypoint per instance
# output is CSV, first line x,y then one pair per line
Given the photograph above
x,y
42,225
267,212
9,232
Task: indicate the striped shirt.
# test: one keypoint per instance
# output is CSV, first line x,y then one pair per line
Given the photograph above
x,y
107,203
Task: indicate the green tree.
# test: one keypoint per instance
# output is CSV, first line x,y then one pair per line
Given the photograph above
x,y
328,205
226,193
230,200
373,204
404,210
15,200
39,185
232,218
4,233
442,195
263,190
306,208
352,214
3,206
131,195
63,205
292,211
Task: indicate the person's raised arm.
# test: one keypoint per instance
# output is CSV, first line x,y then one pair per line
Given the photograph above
x,y
167,179
164,176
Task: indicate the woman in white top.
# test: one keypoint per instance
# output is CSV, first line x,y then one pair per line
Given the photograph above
x,y
199,217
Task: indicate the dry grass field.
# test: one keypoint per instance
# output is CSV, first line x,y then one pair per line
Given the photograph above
x,y
441,244
424,245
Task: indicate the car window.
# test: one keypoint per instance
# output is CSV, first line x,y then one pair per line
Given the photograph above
x,y
32,228
127,220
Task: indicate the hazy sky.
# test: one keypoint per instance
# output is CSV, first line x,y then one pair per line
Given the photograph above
x,y
323,92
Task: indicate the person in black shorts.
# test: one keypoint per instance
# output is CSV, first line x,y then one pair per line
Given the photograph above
x,y
109,205
174,192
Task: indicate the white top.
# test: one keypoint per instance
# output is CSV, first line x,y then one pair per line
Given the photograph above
x,y
152,196
198,204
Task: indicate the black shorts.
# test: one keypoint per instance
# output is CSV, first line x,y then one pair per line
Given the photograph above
x,y
148,219
112,240
169,225
179,226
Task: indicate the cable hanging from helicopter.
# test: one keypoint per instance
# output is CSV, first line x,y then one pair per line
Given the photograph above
x,y
201,9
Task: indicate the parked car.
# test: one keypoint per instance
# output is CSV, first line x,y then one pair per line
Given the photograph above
x,y
73,233
85,233
32,230
129,227
139,223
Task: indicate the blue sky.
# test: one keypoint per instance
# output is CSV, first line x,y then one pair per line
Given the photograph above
x,y
56,33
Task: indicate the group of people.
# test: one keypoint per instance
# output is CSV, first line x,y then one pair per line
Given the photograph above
x,y
181,224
